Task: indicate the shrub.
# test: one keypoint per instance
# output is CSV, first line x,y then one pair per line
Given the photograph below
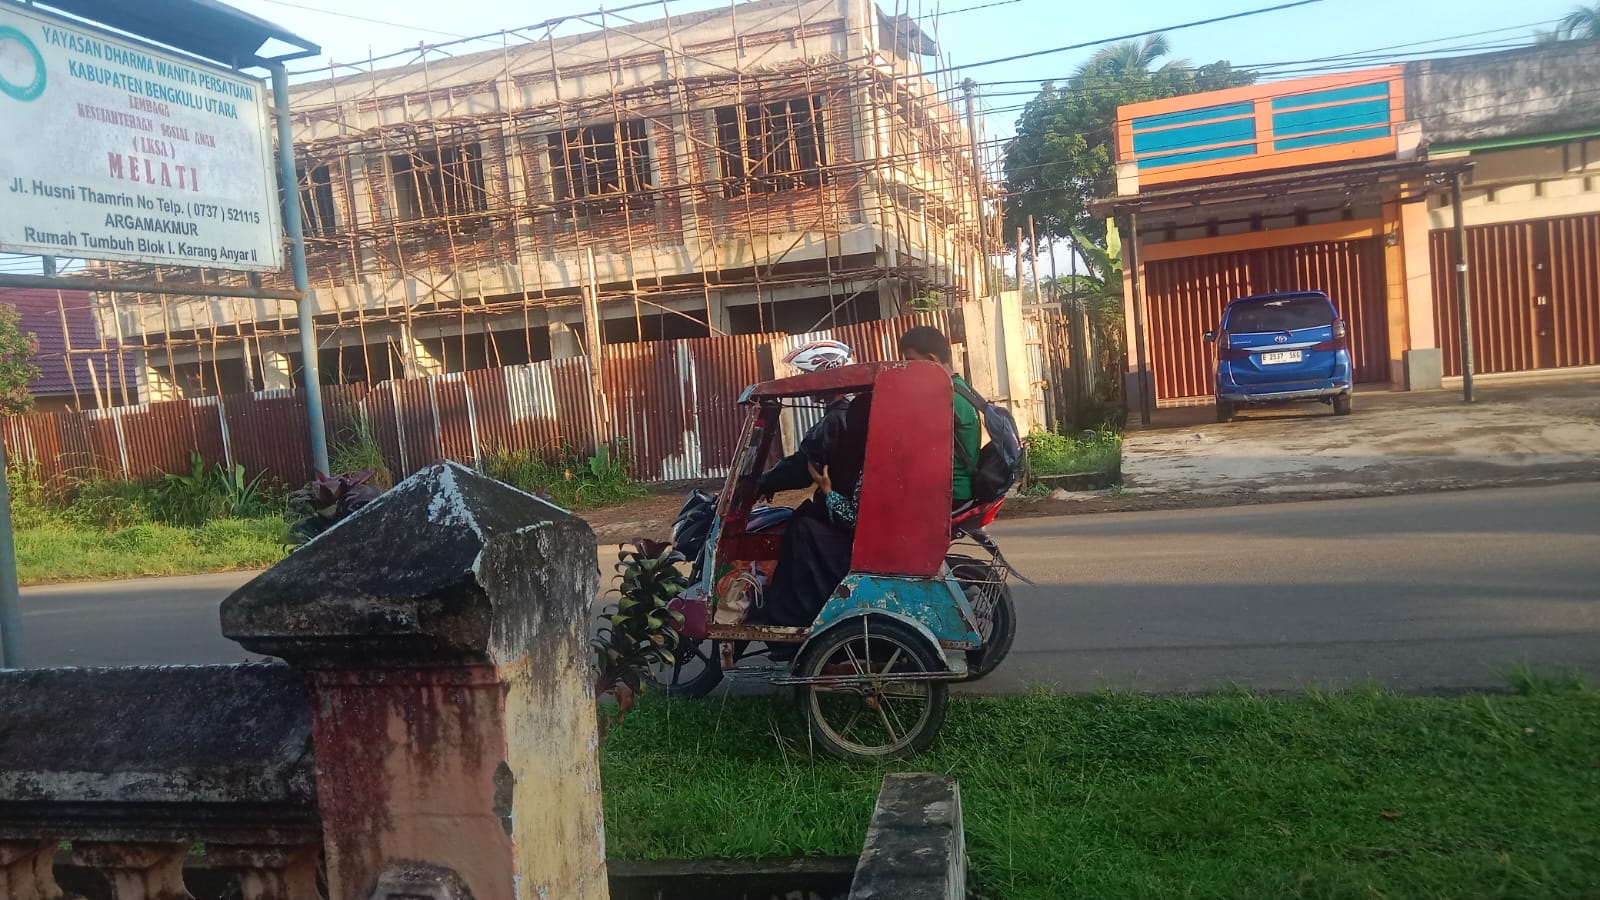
x,y
207,494
325,502
189,499
106,503
1058,454
571,481
32,505
359,451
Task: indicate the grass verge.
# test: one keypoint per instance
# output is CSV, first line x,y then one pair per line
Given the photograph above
x,y
59,552
1352,794
1059,454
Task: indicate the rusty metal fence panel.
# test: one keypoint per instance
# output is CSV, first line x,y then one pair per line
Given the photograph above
x,y
672,403
1186,297
1575,294
1500,287
1535,293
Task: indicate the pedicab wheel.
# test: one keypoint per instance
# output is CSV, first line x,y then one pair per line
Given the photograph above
x,y
695,672
869,716
997,623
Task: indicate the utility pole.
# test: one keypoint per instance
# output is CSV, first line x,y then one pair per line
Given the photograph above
x,y
1461,288
970,89
302,280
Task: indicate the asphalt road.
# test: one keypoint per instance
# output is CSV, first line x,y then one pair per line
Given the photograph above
x,y
1421,592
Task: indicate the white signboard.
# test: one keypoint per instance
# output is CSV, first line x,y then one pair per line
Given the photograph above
x,y
113,150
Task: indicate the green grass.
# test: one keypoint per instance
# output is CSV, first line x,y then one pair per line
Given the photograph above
x,y
216,520
61,552
1058,454
1357,794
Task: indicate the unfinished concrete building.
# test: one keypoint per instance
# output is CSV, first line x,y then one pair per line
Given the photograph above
x,y
772,166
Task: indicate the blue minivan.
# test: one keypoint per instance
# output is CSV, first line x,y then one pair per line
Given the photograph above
x,y
1279,348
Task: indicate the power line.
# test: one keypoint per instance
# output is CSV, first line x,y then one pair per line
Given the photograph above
x,y
1321,59
371,21
546,24
1357,78
1273,77
1122,37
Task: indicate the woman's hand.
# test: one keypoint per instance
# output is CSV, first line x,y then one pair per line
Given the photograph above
x,y
820,479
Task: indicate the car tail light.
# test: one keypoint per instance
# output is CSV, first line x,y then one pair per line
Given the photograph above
x,y
1338,342
1225,349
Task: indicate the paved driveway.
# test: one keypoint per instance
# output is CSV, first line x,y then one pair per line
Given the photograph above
x,y
1519,432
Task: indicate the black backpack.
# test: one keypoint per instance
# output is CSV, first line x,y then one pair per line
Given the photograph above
x,y
999,462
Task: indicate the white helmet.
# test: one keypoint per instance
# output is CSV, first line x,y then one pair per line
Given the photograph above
x,y
816,356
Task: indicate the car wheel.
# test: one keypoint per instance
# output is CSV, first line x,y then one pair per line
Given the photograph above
x,y
1341,405
1225,411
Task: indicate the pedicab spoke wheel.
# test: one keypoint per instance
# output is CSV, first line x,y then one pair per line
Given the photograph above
x,y
695,671
871,702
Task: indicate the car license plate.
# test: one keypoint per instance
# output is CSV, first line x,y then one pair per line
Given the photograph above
x,y
1282,356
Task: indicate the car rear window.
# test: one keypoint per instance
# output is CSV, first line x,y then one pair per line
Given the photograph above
x,y
1279,314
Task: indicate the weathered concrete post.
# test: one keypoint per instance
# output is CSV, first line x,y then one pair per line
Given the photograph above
x,y
444,634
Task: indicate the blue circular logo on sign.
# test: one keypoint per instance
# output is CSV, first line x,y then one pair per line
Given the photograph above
x,y
31,90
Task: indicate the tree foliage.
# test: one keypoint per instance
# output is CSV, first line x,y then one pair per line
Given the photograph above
x,y
1062,156
1582,24
16,369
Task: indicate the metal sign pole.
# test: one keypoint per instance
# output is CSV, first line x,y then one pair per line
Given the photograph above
x,y
10,601
302,280
1461,287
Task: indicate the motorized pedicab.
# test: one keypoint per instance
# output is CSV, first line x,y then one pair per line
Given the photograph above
x,y
925,602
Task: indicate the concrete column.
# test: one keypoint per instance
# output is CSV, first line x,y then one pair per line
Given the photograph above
x,y
277,371
420,361
978,323
155,383
1394,269
27,870
455,736
564,342
1422,360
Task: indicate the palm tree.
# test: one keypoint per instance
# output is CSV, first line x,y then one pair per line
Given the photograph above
x,y
1128,58
1582,24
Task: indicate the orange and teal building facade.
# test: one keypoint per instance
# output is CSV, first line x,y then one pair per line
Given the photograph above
x,y
1342,182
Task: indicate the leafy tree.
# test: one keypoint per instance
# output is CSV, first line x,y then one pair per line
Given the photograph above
x,y
1062,156
16,349
1582,24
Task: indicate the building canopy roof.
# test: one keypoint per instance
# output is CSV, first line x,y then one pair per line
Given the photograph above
x,y
205,28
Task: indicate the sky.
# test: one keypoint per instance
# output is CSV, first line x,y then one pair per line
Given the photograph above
x,y
1001,28
974,31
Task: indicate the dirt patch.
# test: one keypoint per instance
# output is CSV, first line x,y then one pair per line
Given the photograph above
x,y
649,517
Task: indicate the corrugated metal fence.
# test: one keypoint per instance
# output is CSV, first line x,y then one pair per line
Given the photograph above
x,y
671,402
